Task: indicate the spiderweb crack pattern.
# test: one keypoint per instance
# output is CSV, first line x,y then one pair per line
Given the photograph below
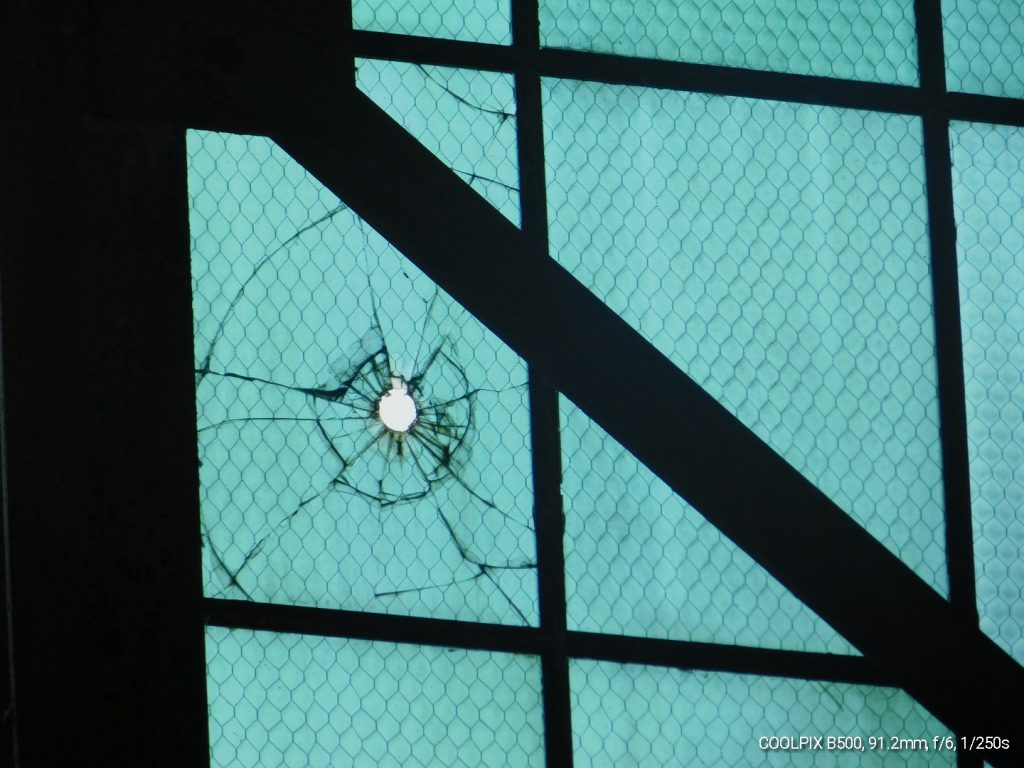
x,y
307,497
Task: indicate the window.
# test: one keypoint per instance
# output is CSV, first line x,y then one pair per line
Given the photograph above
x,y
397,592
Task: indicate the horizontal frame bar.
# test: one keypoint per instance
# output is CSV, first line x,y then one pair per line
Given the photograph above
x,y
677,654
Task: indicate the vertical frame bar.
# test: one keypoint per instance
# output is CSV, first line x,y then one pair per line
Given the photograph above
x,y
544,413
948,334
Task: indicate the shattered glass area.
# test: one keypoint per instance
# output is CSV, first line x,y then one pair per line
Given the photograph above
x,y
300,701
305,318
778,254
651,717
465,117
988,197
984,43
641,561
873,40
488,21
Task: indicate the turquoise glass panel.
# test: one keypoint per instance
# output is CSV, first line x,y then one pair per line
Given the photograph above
x,y
465,117
641,561
305,320
988,196
778,254
984,43
651,717
300,701
871,40
486,21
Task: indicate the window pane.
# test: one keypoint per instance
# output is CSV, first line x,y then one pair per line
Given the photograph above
x,y
641,561
870,40
466,118
988,195
482,22
306,320
650,716
298,700
984,42
778,254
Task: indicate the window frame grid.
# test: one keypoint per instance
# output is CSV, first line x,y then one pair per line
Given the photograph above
x,y
528,62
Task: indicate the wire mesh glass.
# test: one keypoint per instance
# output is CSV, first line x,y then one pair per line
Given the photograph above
x,y
465,117
488,21
641,561
777,253
305,322
872,40
984,43
988,196
303,701
652,717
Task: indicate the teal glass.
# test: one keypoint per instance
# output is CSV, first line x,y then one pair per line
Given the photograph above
x,y
778,254
480,22
304,319
988,197
300,701
641,561
984,44
465,117
651,717
872,40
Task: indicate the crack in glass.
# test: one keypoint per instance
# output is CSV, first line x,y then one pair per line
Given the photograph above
x,y
430,468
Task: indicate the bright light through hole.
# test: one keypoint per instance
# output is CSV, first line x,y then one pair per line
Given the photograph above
x,y
396,408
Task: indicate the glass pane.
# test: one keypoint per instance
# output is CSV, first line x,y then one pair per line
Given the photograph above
x,y
984,42
641,561
466,118
869,40
988,196
652,717
310,329
482,22
299,700
778,254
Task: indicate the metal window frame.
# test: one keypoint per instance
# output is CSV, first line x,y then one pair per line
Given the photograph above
x,y
528,62
118,89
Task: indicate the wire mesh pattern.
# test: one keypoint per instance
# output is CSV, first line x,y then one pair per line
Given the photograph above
x,y
984,43
305,321
988,196
465,117
304,701
481,22
777,253
873,40
650,716
641,561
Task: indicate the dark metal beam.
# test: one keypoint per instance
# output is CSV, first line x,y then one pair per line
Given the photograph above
x,y
946,302
545,428
527,640
433,50
732,659
741,485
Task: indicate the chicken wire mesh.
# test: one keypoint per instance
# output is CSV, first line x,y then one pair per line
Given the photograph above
x,y
641,561
984,43
299,700
305,321
650,716
874,40
481,22
988,197
777,253
465,117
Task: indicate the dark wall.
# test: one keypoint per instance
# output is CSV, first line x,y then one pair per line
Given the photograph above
x,y
99,473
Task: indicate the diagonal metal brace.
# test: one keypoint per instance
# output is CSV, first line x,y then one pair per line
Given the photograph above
x,y
701,450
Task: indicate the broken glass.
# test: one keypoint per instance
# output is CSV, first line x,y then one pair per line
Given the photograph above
x,y
308,326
